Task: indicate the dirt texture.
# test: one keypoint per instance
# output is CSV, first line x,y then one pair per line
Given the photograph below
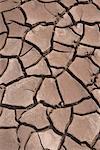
x,y
49,74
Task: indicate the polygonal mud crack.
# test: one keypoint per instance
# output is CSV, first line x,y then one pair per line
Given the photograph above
x,y
49,75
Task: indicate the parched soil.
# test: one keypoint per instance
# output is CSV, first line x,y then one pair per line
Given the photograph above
x,y
49,74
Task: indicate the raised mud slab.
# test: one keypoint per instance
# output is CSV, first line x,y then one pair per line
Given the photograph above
x,y
49,74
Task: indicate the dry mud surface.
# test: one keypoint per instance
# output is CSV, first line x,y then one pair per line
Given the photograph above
x,y
49,74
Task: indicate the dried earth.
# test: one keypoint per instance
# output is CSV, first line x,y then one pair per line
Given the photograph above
x,y
49,74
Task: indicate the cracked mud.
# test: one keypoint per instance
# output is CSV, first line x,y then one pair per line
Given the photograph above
x,y
49,74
